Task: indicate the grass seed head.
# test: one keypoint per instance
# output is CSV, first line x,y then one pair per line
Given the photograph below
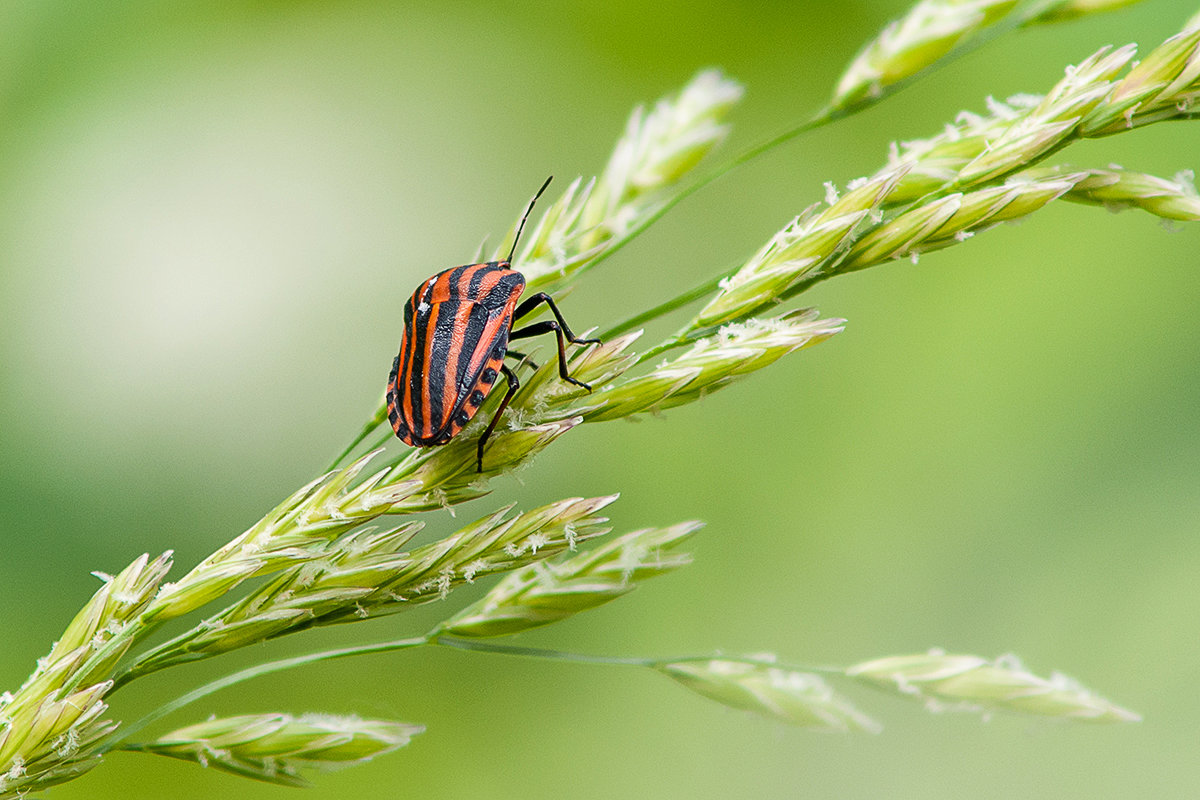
x,y
797,698
965,682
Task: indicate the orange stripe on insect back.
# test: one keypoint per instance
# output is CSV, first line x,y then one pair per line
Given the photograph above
x,y
418,385
464,282
488,282
450,383
408,348
442,287
490,330
426,402
404,377
401,364
403,381
420,292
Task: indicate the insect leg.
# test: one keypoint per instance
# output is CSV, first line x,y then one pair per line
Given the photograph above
x,y
521,357
558,325
513,385
541,297
537,329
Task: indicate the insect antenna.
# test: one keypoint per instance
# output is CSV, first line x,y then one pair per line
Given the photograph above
x,y
521,227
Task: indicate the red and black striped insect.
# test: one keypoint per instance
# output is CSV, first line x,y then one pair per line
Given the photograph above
x,y
457,326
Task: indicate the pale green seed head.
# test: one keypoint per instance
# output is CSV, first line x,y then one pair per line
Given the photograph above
x,y
36,730
936,162
107,615
957,217
809,241
447,475
1120,189
353,581
293,532
1053,120
1073,9
900,236
1164,84
554,590
545,396
1168,65
929,31
1020,196
973,683
711,363
200,587
797,698
659,148
1047,125
275,747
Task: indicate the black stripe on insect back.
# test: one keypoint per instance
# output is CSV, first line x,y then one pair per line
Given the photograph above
x,y
476,323
504,289
416,366
400,365
441,328
478,275
455,276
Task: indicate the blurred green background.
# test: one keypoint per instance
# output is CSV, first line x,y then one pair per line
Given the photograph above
x,y
210,213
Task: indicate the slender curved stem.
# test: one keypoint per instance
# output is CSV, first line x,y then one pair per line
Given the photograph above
x,y
374,422
537,652
680,300
618,661
116,740
119,740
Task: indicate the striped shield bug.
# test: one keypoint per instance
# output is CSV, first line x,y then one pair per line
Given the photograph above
x,y
457,326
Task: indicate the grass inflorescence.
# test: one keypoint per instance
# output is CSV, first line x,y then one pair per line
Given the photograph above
x,y
339,549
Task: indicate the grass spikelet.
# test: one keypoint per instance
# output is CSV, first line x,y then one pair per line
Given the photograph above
x,y
1163,85
658,149
351,582
1072,9
797,698
956,217
1045,126
554,590
932,29
926,33
1121,189
802,246
711,363
965,682
275,747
